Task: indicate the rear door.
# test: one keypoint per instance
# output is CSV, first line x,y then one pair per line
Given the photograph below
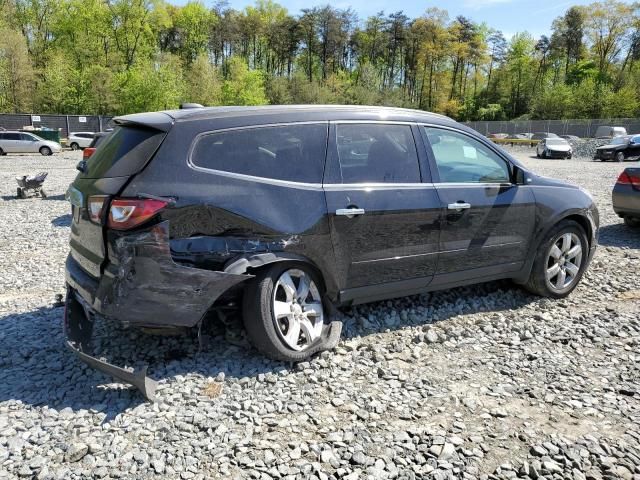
x,y
28,143
383,218
12,142
488,220
122,155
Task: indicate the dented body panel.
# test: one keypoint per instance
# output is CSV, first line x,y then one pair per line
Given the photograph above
x,y
144,287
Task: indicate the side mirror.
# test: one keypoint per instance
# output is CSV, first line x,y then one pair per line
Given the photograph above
x,y
519,175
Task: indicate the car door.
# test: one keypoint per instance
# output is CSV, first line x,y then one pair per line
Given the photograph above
x,y
384,221
13,142
488,219
28,143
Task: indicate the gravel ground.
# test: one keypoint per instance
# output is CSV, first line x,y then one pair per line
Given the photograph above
x,y
478,382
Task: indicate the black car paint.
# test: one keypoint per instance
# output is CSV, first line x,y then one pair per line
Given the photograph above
x,y
630,149
626,197
219,227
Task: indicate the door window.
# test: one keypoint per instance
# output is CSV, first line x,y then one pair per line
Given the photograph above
x,y
12,136
25,137
293,152
377,153
462,159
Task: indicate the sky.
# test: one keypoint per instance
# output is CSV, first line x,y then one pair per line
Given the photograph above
x,y
509,16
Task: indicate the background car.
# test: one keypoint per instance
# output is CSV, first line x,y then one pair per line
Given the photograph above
x,y
541,135
619,149
605,131
570,138
626,196
521,136
95,141
553,148
22,142
79,140
497,135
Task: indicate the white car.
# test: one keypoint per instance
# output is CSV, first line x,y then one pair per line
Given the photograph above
x,y
23,142
78,140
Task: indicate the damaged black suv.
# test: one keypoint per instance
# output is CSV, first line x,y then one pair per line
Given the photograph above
x,y
290,211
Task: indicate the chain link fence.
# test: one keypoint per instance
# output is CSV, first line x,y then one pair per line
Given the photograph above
x,y
63,123
580,128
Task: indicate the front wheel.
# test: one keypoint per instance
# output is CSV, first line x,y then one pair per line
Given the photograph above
x,y
619,157
283,312
75,146
560,261
569,157
46,151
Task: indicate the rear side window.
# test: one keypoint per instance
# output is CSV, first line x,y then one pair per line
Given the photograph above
x,y
294,153
124,152
12,136
377,153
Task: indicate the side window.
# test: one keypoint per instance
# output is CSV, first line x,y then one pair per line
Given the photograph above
x,y
377,153
462,159
25,137
289,152
12,136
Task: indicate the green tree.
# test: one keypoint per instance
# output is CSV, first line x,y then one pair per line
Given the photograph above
x,y
243,86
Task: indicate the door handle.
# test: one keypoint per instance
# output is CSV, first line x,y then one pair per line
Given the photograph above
x,y
350,212
459,206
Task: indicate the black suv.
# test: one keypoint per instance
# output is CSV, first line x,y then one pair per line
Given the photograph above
x,y
290,211
619,149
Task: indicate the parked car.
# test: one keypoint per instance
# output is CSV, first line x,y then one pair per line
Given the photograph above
x,y
521,136
22,142
605,131
95,141
79,140
542,135
286,212
570,138
553,148
498,135
619,149
626,196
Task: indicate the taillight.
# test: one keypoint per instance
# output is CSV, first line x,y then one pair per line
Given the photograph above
x,y
630,178
87,152
95,206
126,213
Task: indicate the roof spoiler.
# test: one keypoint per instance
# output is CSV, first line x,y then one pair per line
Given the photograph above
x,y
157,120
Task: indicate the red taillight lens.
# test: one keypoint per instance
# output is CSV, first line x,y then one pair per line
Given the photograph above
x,y
95,206
126,213
87,152
630,178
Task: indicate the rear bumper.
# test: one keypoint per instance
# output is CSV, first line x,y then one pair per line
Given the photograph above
x,y
626,200
148,289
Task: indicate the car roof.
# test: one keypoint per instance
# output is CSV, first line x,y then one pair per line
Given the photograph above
x,y
164,119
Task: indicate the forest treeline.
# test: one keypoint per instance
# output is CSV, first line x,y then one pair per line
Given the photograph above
x,y
122,56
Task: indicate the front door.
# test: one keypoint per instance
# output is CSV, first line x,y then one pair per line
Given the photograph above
x,y
384,220
488,220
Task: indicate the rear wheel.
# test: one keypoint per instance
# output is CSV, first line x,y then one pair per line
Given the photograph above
x,y
2,152
43,194
46,151
283,311
633,222
20,193
619,157
560,261
74,146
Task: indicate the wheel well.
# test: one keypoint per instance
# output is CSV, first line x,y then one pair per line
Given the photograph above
x,y
299,261
584,223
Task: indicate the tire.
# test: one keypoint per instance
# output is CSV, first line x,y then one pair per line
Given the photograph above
x,y
553,260
270,290
633,222
619,157
2,152
569,157
74,146
20,193
46,151
537,154
43,194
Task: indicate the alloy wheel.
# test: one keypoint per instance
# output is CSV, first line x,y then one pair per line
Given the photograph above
x,y
297,309
563,262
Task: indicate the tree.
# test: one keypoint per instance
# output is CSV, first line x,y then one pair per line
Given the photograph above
x,y
16,73
243,86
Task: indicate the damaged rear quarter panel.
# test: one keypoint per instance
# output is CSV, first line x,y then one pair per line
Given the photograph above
x,y
147,288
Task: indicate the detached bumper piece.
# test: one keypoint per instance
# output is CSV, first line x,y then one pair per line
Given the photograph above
x,y
78,327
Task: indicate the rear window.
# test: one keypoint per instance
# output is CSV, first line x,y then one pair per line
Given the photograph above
x,y
124,152
293,152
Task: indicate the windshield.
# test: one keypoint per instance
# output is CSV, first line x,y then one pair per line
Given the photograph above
x,y
619,141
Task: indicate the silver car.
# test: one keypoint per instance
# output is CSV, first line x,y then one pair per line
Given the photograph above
x,y
23,142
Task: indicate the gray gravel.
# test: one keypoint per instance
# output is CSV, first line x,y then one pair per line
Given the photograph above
x,y
478,382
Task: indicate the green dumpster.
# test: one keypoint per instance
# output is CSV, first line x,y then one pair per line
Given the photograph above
x,y
53,135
